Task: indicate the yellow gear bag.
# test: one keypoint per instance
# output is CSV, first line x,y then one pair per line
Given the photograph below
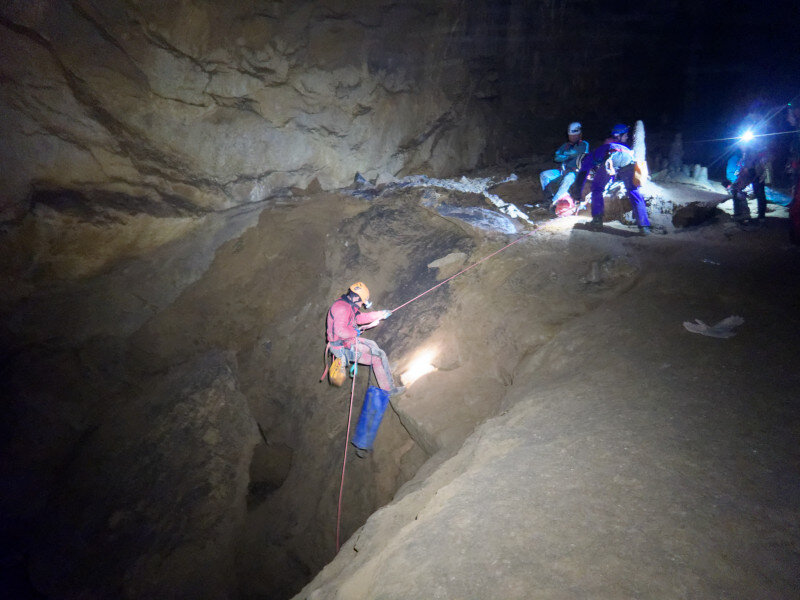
x,y
337,373
640,173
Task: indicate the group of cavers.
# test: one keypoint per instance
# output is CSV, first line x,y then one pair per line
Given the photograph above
x,y
613,160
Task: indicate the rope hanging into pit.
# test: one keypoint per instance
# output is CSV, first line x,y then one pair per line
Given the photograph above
x,y
354,372
519,239
355,366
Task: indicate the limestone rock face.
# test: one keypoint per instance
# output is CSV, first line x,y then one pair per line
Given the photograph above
x,y
215,104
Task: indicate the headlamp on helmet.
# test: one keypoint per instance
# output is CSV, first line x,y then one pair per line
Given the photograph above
x,y
362,291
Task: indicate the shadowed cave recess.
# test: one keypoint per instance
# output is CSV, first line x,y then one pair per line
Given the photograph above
x,y
188,186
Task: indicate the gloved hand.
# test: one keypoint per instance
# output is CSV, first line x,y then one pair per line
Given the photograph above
x,y
386,314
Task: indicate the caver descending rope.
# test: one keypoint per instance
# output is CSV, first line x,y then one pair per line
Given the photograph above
x,y
354,371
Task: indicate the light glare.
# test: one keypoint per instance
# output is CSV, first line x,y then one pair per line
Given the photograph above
x,y
419,366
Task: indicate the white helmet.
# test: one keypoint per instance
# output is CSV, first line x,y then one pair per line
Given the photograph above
x,y
574,128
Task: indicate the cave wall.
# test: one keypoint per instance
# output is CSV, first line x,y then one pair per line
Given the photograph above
x,y
212,104
166,418
204,104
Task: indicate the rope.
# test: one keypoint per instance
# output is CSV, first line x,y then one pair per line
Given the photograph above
x,y
519,239
325,361
346,443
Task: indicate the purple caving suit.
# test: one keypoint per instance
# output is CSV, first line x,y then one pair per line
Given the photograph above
x,y
623,162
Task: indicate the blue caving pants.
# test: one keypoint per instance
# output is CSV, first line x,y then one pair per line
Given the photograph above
x,y
624,174
553,177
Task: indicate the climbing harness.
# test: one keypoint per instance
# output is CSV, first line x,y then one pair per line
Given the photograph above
x,y
338,367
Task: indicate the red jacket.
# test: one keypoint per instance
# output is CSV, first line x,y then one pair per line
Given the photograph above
x,y
343,320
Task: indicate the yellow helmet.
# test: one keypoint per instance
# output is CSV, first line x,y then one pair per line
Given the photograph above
x,y
362,291
337,372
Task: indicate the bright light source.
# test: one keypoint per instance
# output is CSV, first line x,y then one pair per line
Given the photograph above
x,y
747,135
420,366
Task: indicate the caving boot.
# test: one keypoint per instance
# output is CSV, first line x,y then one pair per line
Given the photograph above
x,y
644,230
596,223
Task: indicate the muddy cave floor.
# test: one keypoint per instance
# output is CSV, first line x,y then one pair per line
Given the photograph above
x,y
582,443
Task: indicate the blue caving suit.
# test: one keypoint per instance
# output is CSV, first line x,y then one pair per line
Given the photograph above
x,y
567,156
624,164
